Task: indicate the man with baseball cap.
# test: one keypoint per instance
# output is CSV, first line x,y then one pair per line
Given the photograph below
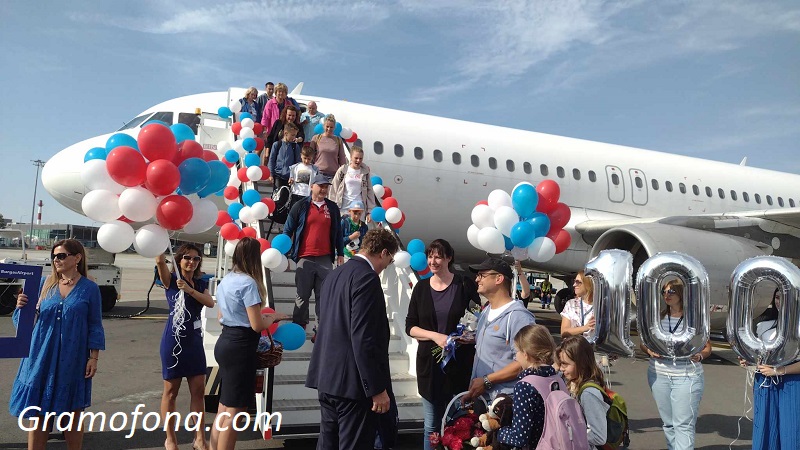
x,y
314,227
494,370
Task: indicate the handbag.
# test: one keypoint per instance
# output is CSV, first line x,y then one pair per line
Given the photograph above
x,y
272,356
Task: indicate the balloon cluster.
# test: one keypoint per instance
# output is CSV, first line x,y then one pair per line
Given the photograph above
x,y
291,335
343,132
135,180
414,256
528,223
389,211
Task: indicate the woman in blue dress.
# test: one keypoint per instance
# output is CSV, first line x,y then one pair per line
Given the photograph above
x,y
56,377
182,354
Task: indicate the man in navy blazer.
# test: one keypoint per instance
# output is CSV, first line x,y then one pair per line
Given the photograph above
x,y
350,363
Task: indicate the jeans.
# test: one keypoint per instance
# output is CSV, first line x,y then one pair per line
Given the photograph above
x,y
678,399
432,414
311,272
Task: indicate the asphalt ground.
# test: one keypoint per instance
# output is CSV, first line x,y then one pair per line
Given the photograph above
x,y
129,373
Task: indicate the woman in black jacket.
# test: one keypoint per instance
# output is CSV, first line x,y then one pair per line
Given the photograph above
x,y
434,311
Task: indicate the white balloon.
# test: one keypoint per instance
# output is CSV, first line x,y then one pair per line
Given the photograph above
x,y
379,190
228,201
247,132
491,240
283,266
239,147
346,133
519,253
115,236
223,146
94,176
245,215
230,247
235,106
271,258
472,237
259,211
101,205
204,216
402,259
151,240
254,173
505,218
137,204
498,198
233,179
394,215
542,249
247,123
483,216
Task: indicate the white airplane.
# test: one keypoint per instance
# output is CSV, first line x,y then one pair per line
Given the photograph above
x,y
620,197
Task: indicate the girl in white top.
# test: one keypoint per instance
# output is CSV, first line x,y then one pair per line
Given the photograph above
x,y
577,317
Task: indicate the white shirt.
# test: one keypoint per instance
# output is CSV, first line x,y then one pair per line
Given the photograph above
x,y
494,313
352,186
578,318
669,366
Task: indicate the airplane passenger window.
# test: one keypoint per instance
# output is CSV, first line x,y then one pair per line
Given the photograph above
x,y
378,147
668,185
418,152
758,198
708,191
526,167
576,173
190,119
135,122
475,161
695,189
780,202
456,158
745,196
791,203
358,143
615,179
437,155
509,165
769,200
592,176
639,183
544,170
398,150
492,163
682,188
654,182
164,116
560,172
733,194
721,193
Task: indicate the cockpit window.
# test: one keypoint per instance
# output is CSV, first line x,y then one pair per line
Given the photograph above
x,y
191,119
135,122
164,116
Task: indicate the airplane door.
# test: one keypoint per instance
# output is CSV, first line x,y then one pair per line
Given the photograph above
x,y
616,184
638,187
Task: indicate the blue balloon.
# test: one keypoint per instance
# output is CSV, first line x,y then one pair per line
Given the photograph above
x,y
95,153
419,261
541,224
378,214
250,197
233,210
232,156
291,335
416,246
249,144
160,122
282,243
220,192
252,159
522,234
217,180
224,112
121,139
182,132
376,180
524,200
245,115
318,128
195,174
337,129
509,244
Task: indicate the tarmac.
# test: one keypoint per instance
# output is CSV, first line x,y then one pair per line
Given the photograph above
x,y
129,373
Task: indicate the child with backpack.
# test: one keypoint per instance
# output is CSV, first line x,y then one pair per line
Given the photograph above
x,y
353,229
301,174
284,154
544,416
604,410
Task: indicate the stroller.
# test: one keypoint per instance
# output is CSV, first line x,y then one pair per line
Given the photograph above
x,y
283,203
455,411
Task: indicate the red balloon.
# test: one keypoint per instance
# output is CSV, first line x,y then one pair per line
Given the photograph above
x,y
257,130
162,177
228,164
264,173
424,272
353,138
156,142
387,192
399,224
126,166
561,238
545,206
482,202
236,128
264,244
560,216
231,193
124,219
250,232
174,212
549,190
390,202
259,143
242,174
270,204
274,326
188,149
229,231
223,217
208,155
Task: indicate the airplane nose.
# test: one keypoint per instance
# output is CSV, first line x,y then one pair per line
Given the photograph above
x,y
61,175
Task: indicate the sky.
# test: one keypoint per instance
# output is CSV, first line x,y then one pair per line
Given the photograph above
x,y
711,79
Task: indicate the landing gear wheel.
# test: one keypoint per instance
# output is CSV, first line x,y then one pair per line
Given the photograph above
x,y
109,296
561,299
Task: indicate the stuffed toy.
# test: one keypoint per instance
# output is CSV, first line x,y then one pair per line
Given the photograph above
x,y
499,415
461,430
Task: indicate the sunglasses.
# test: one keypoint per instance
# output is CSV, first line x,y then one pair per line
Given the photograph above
x,y
192,258
62,256
668,292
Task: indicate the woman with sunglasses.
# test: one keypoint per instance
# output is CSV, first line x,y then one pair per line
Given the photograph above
x,y
577,317
677,384
182,354
56,377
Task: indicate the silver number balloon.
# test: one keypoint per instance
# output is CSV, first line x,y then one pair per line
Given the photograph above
x,y
694,334
611,272
785,346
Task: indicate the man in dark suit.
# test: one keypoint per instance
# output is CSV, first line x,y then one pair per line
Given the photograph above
x,y
350,363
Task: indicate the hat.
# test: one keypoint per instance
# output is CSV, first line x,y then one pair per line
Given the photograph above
x,y
498,265
320,179
356,205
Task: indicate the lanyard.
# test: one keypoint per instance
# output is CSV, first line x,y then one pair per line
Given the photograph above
x,y
583,316
669,324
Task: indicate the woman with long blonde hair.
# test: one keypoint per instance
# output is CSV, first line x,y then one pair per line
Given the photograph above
x,y
577,317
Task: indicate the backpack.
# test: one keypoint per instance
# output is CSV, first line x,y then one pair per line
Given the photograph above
x,y
617,417
564,425
283,202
